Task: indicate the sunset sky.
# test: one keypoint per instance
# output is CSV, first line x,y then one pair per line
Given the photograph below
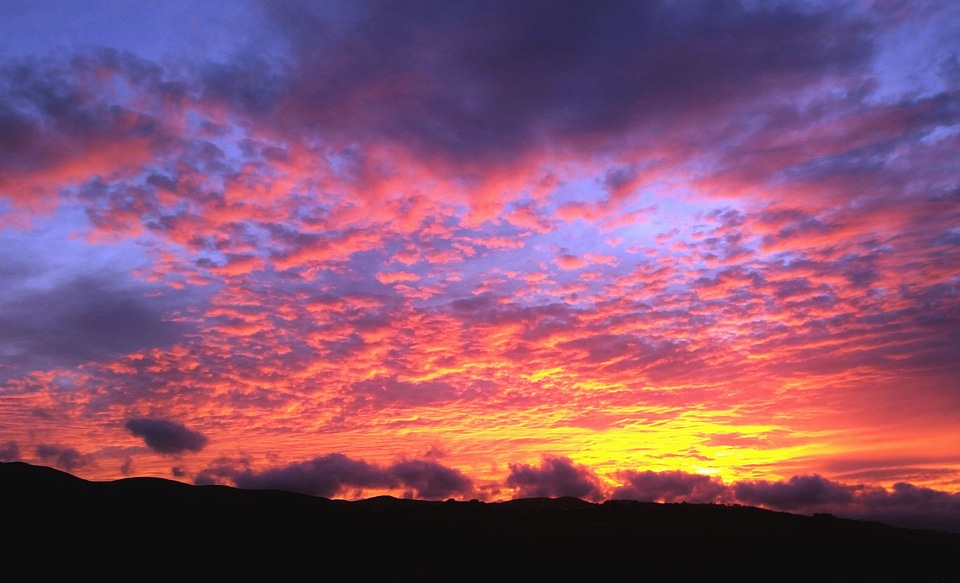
x,y
697,250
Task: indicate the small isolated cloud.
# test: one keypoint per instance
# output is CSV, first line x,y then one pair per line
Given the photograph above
x,y
66,458
9,452
671,487
388,278
165,436
569,262
556,476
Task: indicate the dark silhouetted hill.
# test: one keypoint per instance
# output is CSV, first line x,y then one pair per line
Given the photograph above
x,y
57,524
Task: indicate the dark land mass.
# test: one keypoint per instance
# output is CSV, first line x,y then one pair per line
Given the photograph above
x,y
55,523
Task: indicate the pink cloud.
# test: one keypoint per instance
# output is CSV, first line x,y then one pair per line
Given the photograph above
x,y
396,276
569,262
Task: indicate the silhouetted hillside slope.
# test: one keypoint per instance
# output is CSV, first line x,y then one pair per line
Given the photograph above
x,y
56,523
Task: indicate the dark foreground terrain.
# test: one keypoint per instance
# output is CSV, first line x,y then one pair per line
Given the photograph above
x,y
55,523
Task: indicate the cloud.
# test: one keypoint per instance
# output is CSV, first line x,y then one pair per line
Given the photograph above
x,y
51,317
474,83
429,479
911,506
322,476
378,392
556,476
800,492
331,474
906,505
165,436
54,132
9,452
66,458
673,486
570,262
319,187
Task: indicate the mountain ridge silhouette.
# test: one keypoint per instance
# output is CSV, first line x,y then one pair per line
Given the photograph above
x,y
178,529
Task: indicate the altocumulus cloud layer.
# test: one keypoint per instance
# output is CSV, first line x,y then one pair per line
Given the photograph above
x,y
681,251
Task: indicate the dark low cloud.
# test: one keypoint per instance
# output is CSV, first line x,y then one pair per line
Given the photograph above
x,y
906,505
9,452
674,486
429,479
66,458
322,476
799,492
331,474
810,493
556,476
913,507
165,436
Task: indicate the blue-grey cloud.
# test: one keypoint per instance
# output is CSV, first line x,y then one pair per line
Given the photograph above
x,y
477,82
331,474
54,316
9,452
798,492
166,436
67,458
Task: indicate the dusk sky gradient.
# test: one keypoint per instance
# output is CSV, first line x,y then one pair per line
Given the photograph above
x,y
698,250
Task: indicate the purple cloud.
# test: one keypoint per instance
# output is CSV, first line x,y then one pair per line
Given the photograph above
x,y
80,314
556,476
909,506
165,436
9,452
322,476
66,458
330,474
478,82
906,505
674,486
429,479
800,492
